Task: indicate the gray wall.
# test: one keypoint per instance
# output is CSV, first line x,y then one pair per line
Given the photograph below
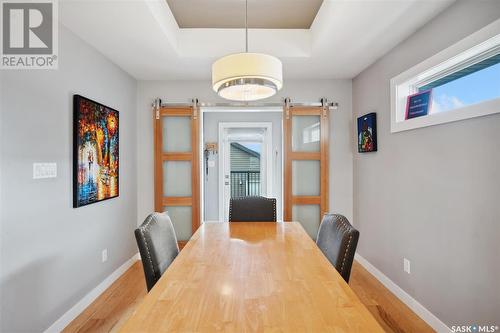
x,y
211,134
50,252
431,194
303,90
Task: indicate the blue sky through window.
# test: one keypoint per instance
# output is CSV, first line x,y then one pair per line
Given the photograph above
x,y
474,88
255,146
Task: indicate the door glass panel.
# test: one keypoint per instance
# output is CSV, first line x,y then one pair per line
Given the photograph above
x,y
181,219
176,134
245,164
309,217
177,178
306,133
305,177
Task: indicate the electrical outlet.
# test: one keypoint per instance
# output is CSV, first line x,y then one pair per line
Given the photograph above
x,y
104,255
406,265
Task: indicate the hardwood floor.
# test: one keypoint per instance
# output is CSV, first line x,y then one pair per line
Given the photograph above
x,y
392,314
110,310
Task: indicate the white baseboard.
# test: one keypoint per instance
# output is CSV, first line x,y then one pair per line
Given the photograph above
x,y
415,306
78,308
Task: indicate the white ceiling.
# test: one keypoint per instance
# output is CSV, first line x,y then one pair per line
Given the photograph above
x,y
143,37
262,14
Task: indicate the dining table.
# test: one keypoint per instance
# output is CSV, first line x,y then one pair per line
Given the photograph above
x,y
251,277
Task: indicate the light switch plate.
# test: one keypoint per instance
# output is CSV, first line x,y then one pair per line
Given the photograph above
x,y
406,265
44,170
211,164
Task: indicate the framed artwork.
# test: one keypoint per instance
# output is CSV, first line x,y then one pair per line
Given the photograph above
x,y
96,160
367,133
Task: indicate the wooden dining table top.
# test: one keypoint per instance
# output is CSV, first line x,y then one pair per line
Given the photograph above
x,y
251,277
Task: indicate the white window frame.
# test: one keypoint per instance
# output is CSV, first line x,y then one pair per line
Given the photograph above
x,y
470,50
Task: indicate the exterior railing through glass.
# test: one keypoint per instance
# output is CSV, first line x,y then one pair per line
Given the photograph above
x,y
245,183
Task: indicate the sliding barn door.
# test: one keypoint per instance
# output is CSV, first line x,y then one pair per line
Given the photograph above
x,y
177,180
306,166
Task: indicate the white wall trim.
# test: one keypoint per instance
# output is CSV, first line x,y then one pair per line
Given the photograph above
x,y
79,307
412,303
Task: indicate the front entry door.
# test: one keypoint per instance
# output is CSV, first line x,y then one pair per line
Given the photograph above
x,y
245,159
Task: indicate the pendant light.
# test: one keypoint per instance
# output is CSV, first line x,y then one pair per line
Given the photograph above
x,y
247,76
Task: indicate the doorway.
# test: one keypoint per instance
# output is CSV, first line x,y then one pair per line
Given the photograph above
x,y
246,162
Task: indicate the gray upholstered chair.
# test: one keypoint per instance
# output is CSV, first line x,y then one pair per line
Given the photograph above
x,y
157,245
252,209
337,239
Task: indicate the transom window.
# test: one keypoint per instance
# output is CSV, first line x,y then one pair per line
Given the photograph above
x,y
460,82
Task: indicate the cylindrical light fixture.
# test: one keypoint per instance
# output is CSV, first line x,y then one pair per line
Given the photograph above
x,y
247,76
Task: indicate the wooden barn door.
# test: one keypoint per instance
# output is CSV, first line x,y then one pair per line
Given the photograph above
x,y
176,172
306,165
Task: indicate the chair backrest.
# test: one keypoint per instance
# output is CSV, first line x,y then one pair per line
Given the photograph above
x,y
338,239
157,245
252,209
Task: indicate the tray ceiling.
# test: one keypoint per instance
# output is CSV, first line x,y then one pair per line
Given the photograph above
x,y
144,38
262,14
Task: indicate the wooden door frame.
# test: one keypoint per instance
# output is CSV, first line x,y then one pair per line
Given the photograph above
x,y
288,198
194,157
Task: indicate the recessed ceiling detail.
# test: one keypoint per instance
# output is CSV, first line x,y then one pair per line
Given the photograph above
x,y
227,14
146,41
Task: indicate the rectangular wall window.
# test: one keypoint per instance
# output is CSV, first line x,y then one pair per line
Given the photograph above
x,y
458,83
